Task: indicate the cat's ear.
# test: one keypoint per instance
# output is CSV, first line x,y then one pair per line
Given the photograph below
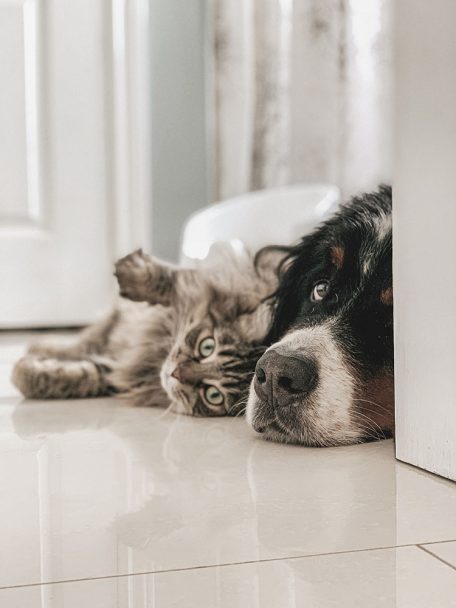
x,y
268,262
143,278
253,326
233,254
230,304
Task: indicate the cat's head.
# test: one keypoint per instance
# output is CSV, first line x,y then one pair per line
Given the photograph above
x,y
217,344
219,321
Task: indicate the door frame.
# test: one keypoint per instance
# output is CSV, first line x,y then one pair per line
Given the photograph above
x,y
424,226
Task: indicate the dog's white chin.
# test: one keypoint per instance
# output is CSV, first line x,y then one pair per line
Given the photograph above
x,y
252,404
326,417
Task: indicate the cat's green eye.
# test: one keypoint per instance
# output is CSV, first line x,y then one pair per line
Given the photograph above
x,y
213,396
206,347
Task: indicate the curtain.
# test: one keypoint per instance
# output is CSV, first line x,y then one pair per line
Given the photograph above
x,y
302,91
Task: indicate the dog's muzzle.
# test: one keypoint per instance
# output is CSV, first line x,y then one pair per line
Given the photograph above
x,y
282,380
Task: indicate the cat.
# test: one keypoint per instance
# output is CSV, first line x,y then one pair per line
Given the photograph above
x,y
182,338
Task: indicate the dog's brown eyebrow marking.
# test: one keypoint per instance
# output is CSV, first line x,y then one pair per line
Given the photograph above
x,y
386,297
337,256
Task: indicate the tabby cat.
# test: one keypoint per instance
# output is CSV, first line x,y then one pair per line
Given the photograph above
x,y
184,338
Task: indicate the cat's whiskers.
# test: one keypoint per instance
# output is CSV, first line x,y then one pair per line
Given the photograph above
x,y
242,405
241,412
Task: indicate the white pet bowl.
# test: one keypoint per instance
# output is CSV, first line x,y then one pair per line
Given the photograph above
x,y
279,216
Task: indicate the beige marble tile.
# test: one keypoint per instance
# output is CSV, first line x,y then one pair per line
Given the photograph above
x,y
391,578
95,488
445,551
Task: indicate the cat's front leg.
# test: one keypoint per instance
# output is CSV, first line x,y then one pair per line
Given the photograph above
x,y
143,279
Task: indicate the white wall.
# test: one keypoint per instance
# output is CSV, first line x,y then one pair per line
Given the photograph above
x,y
179,115
424,234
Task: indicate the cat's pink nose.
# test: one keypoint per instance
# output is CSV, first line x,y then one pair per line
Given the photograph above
x,y
177,373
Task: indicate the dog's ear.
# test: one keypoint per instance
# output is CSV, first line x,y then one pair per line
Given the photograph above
x,y
286,300
142,278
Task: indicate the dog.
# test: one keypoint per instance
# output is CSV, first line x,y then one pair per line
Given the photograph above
x,y
327,377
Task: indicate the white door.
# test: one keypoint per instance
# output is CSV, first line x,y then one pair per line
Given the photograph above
x,y
73,154
425,234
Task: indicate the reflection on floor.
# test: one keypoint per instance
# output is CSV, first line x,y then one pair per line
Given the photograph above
x,y
104,505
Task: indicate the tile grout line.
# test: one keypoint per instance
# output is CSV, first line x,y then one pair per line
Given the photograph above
x,y
440,559
225,564
436,542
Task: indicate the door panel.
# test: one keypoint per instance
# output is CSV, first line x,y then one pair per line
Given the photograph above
x,y
18,153
59,207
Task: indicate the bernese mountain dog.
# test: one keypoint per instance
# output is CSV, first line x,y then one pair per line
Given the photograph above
x,y
327,377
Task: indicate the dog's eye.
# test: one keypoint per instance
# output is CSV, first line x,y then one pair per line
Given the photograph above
x,y
206,347
320,291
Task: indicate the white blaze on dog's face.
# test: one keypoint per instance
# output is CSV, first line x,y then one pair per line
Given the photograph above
x,y
327,378
325,416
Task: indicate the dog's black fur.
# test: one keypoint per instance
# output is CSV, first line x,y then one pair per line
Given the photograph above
x,y
327,377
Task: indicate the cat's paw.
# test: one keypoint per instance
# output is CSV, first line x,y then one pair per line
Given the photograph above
x,y
143,279
135,276
32,376
48,348
48,378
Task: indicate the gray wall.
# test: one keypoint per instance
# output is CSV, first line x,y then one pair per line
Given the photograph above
x,y
180,182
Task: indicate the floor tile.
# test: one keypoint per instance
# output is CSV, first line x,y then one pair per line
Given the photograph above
x,y
95,488
6,388
445,551
402,578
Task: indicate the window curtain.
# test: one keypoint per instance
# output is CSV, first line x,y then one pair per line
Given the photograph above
x,y
302,91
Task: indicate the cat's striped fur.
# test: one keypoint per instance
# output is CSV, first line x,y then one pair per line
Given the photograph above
x,y
149,350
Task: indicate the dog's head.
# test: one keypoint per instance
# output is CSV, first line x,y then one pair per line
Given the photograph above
x,y
327,378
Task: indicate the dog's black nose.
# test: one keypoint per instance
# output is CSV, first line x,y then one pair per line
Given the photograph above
x,y
283,379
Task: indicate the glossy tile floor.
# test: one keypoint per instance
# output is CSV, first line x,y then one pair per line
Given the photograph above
x,y
102,505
